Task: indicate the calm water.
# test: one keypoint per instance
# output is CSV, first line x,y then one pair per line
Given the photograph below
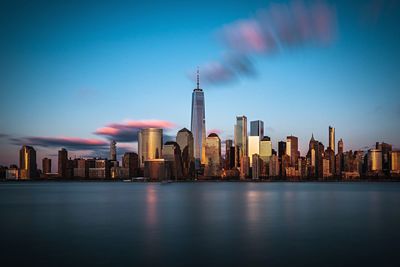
x,y
186,224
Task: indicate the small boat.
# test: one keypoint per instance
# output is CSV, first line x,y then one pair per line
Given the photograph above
x,y
127,180
166,181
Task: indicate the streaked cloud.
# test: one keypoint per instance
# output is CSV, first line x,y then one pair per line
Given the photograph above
x,y
73,143
127,131
271,30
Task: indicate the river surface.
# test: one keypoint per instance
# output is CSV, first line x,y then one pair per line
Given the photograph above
x,y
199,224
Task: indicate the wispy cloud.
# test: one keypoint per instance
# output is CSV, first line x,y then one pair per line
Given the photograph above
x,y
127,131
58,142
278,27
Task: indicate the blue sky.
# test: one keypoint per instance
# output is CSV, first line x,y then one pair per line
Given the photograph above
x,y
68,69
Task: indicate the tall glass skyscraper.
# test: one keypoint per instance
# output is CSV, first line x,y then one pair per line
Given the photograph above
x,y
257,128
240,139
198,124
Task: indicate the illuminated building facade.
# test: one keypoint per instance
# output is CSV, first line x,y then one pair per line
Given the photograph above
x,y
374,161
332,138
292,150
213,156
27,163
265,149
256,133
150,144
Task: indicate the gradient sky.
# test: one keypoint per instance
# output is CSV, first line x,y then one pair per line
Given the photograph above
x,y
69,68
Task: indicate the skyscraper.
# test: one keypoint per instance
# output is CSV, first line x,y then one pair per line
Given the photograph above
x,y
292,150
265,149
340,146
374,161
240,139
256,134
213,156
257,128
62,163
198,124
27,162
281,149
113,150
150,144
172,153
229,154
332,138
184,138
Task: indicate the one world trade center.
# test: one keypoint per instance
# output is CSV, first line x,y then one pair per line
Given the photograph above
x,y
198,124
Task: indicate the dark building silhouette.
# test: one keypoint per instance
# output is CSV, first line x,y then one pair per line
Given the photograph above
x,y
281,149
46,165
172,153
184,138
315,158
130,160
386,149
257,128
62,163
340,146
229,155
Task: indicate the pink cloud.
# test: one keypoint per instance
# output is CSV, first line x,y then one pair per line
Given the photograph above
x,y
273,29
127,131
68,142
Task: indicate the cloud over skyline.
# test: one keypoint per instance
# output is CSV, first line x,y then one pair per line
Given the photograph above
x,y
74,143
276,28
127,131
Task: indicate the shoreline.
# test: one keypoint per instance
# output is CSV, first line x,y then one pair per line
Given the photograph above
x,y
206,180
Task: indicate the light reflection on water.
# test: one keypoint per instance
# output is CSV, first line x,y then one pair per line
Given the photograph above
x,y
183,224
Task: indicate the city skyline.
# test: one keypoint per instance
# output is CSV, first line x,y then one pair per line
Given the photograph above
x,y
71,97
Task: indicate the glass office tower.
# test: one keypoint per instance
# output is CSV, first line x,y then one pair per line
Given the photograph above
x,y
198,124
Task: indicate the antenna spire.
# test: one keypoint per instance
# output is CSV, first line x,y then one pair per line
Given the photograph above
x,y
198,78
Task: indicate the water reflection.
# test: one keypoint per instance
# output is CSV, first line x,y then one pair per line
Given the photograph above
x,y
253,207
151,205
